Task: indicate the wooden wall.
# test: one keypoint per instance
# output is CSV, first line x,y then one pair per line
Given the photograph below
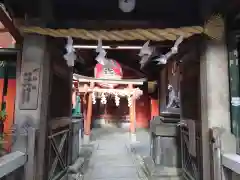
x,y
169,74
190,88
185,78
60,98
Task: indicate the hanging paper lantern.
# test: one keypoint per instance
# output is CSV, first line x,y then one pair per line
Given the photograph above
x,y
112,70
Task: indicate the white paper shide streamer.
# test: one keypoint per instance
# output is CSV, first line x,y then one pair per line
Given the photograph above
x,y
70,56
94,98
103,99
117,100
174,50
129,101
147,51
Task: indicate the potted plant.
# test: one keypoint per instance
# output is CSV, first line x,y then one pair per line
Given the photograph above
x,y
3,117
2,150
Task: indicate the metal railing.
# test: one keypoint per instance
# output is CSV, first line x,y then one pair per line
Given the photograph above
x,y
13,161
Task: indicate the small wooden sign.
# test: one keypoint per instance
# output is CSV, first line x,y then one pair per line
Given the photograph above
x,y
29,83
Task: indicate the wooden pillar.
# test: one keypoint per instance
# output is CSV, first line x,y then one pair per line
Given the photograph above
x,y
132,116
214,97
34,112
88,118
87,124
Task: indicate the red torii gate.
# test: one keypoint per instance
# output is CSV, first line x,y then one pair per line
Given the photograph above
x,y
130,91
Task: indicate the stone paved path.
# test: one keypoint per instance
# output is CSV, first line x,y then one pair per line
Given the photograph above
x,y
112,159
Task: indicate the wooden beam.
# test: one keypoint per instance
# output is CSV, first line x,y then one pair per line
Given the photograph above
x,y
8,23
113,91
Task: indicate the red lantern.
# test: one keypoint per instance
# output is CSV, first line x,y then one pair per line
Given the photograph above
x,y
112,70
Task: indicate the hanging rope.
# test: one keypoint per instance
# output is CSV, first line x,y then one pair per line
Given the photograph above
x,y
214,28
118,35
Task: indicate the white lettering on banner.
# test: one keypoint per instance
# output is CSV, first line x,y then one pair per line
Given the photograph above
x,y
108,71
29,86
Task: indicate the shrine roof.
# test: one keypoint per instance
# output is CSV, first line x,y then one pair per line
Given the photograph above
x,y
81,78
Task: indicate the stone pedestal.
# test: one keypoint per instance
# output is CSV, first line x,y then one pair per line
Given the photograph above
x,y
86,139
165,151
76,138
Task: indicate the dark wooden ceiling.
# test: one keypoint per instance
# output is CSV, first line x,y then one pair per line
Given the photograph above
x,y
79,13
127,58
